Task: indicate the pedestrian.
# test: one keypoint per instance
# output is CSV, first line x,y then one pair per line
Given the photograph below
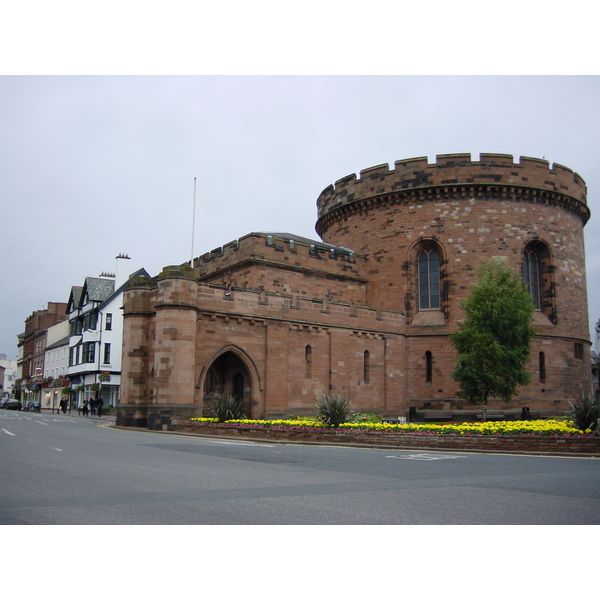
x,y
93,406
85,407
100,404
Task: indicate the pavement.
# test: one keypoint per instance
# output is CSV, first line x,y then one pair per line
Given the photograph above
x,y
111,417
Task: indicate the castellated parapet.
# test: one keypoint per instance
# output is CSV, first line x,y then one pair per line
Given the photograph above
x,y
283,249
456,176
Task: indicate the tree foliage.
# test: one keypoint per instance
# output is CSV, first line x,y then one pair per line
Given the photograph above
x,y
493,342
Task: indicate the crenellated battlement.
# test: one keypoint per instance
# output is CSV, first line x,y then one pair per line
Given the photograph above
x,y
282,248
454,171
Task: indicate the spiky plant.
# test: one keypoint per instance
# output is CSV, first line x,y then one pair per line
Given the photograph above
x,y
226,407
586,413
333,410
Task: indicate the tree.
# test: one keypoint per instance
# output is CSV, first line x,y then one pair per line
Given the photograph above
x,y
493,342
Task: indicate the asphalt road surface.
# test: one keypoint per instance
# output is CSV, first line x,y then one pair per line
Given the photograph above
x,y
75,470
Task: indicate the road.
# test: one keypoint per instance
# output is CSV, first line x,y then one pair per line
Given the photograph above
x,y
75,470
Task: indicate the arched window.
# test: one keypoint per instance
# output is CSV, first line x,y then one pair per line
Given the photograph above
x,y
308,362
366,366
531,275
542,367
538,277
429,279
428,367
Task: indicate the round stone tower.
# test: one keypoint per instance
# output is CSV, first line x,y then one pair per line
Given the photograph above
x,y
424,228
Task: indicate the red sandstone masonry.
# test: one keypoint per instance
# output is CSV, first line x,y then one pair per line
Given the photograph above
x,y
450,169
251,304
290,254
271,264
264,299
471,211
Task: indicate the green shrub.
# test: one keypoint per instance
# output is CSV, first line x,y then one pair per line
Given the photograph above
x,y
365,418
226,407
585,413
333,410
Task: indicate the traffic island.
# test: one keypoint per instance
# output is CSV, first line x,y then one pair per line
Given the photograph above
x,y
579,445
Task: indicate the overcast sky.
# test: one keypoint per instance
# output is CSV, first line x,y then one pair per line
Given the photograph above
x,y
92,166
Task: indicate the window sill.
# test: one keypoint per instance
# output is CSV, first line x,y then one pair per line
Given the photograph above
x,y
429,318
541,320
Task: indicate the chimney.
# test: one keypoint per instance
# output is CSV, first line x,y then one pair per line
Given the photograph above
x,y
122,271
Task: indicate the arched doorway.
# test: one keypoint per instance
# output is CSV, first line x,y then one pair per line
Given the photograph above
x,y
228,374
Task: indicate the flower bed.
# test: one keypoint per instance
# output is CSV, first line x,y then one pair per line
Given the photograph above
x,y
500,436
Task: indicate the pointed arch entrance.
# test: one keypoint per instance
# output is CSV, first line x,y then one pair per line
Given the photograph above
x,y
231,372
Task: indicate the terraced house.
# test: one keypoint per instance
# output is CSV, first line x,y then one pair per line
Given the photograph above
x,y
95,337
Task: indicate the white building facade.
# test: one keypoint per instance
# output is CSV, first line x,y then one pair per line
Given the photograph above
x,y
96,335
56,365
10,375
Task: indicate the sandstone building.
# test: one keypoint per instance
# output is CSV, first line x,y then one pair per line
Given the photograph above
x,y
366,310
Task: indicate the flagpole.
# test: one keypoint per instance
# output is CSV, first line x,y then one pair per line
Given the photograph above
x,y
193,225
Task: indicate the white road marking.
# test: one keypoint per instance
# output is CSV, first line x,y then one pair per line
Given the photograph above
x,y
424,457
57,449
9,433
242,443
41,422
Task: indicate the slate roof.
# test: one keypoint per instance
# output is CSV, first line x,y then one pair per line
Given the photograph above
x,y
98,289
74,297
139,273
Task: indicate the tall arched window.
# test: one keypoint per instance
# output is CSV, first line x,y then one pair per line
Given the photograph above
x,y
428,367
366,366
429,279
531,275
308,362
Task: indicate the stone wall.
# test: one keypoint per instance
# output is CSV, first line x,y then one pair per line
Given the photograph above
x,y
470,211
451,443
